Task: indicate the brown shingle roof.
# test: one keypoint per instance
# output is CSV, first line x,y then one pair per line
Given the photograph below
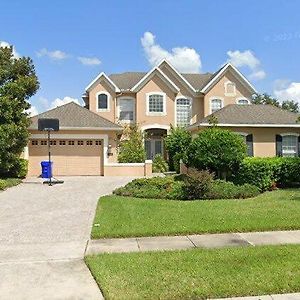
x,y
252,114
127,80
73,115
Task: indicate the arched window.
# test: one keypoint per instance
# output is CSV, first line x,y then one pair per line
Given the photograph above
x,y
243,101
215,105
103,101
183,111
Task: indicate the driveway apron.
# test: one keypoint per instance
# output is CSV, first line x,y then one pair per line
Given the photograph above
x,y
43,235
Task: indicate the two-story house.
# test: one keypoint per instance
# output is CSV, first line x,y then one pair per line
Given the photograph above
x,y
87,141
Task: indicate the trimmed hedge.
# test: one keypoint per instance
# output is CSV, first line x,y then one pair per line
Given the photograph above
x,y
266,173
18,170
177,188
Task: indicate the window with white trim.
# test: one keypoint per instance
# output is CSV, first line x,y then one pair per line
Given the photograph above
x,y
183,111
290,145
126,109
156,103
215,105
243,101
102,101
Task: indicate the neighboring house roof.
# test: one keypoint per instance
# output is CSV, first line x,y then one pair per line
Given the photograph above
x,y
74,116
255,115
128,81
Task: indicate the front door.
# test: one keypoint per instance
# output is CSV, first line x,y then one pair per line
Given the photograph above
x,y
153,147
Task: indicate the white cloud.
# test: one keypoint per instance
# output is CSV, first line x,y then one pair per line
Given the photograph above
x,y
4,44
247,59
290,92
257,75
89,61
184,59
55,55
59,102
32,111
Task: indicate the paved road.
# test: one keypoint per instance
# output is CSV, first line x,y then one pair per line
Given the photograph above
x,y
43,236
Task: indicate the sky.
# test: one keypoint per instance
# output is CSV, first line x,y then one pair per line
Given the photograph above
x,y
71,42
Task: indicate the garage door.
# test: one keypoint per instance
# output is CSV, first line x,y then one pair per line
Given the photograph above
x,y
70,157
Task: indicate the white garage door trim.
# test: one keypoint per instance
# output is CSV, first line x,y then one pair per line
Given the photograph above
x,y
58,136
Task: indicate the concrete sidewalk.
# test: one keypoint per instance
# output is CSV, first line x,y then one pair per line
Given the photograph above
x,y
192,241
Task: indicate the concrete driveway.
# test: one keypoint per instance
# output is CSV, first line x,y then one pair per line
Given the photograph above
x,y
43,236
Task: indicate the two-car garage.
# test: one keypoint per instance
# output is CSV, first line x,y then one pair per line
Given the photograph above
x,y
69,156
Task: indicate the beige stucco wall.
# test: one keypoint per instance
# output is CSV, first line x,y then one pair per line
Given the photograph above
x,y
264,143
155,85
139,170
218,91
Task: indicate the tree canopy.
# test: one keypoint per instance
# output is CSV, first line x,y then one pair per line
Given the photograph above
x,y
18,82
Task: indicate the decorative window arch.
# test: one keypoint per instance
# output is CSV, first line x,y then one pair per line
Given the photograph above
x,y
230,88
102,101
216,103
243,101
183,111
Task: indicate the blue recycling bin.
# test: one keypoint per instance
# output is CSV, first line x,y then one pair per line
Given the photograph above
x,y
46,169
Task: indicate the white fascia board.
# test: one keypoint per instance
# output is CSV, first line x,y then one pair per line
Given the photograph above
x,y
102,74
149,75
221,72
178,74
246,125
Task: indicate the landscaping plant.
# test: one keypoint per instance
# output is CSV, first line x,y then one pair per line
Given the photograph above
x,y
218,150
177,143
159,164
131,145
18,82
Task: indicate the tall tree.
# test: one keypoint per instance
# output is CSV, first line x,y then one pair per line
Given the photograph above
x,y
290,105
265,99
18,82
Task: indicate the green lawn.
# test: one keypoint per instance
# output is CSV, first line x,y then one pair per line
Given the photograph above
x,y
198,273
124,217
9,182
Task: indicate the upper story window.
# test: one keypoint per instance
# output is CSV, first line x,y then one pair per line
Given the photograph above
x,y
215,104
243,101
126,109
156,104
230,89
103,101
183,111
290,145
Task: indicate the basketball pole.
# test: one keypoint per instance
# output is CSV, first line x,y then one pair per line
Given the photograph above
x,y
49,155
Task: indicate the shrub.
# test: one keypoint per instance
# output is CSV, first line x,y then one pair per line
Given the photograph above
x,y
265,173
155,187
8,182
17,170
159,164
176,144
131,147
219,150
227,190
256,171
197,183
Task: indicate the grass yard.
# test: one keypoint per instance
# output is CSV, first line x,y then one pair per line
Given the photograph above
x,y
125,217
198,273
9,182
